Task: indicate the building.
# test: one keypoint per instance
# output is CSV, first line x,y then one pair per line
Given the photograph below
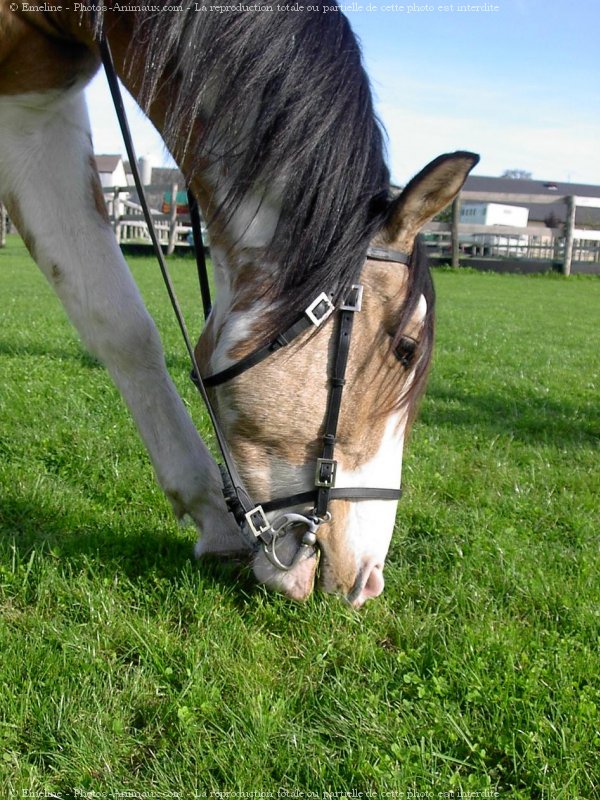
x,y
494,214
551,215
111,169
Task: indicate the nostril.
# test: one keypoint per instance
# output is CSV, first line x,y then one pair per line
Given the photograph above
x,y
375,583
372,587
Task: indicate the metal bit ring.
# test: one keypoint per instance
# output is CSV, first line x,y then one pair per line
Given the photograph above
x,y
279,527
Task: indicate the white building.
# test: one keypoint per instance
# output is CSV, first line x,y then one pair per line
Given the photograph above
x,y
111,170
494,214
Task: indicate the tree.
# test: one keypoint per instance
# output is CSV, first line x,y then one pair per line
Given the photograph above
x,y
444,216
551,220
517,174
2,226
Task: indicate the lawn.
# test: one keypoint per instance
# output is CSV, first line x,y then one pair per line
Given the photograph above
x,y
127,669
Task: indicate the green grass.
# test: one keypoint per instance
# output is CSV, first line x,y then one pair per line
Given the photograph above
x,y
127,667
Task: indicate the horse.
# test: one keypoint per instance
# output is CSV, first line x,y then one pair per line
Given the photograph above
x,y
268,112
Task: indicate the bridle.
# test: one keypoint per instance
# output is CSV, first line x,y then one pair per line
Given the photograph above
x,y
253,517
254,525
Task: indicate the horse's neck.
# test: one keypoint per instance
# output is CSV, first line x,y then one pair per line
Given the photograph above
x,y
239,238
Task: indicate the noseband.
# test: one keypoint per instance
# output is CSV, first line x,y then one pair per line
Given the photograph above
x,y
255,527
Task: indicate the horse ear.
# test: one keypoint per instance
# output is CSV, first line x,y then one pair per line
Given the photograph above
x,y
425,196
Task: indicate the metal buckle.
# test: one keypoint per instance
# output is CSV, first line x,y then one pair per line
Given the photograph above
x,y
257,521
353,300
317,315
326,480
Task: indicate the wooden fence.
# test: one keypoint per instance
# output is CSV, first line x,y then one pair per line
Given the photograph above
x,y
128,222
452,239
553,244
3,222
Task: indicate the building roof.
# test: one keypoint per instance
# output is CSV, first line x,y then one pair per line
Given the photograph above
x,y
482,183
168,175
107,163
541,211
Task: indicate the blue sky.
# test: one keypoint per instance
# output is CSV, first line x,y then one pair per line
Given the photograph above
x,y
517,81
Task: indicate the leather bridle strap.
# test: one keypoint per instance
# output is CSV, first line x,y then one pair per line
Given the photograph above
x,y
243,505
383,254
199,251
326,464
347,493
317,312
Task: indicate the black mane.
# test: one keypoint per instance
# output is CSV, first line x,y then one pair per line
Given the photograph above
x,y
289,85
293,85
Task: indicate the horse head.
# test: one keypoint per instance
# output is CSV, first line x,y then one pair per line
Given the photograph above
x,y
273,413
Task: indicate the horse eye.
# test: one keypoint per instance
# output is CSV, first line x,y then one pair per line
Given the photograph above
x,y
405,350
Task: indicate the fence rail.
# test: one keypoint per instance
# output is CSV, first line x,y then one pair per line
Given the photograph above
x,y
557,244
127,218
455,240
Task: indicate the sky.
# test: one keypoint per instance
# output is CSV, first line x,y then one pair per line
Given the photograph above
x,y
517,81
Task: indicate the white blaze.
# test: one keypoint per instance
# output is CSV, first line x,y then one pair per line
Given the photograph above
x,y
371,522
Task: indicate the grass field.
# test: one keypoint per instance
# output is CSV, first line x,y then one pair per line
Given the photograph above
x,y
126,669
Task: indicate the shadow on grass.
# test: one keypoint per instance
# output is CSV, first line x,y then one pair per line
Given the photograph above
x,y
32,350
534,420
81,542
86,359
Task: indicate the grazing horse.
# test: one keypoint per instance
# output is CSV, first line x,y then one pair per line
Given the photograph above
x,y
269,115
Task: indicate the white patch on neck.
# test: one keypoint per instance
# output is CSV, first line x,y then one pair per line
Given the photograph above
x,y
236,328
253,222
255,219
35,101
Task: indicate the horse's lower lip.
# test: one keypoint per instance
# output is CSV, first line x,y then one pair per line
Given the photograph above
x,y
303,580
297,583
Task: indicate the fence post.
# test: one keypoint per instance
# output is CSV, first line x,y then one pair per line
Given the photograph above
x,y
116,213
569,228
173,221
2,226
454,231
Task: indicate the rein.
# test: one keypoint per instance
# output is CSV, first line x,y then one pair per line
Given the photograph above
x,y
255,527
